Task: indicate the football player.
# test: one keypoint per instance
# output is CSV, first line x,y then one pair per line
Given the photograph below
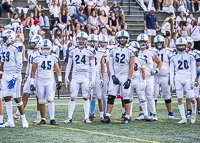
x,y
83,60
99,80
196,53
183,72
161,79
151,57
44,65
121,66
34,43
11,66
139,81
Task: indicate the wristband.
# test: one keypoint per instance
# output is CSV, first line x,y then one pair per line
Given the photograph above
x,y
1,72
60,78
31,81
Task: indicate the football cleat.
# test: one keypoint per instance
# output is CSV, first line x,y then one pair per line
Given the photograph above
x,y
154,117
106,119
9,124
199,113
68,120
87,121
91,117
123,115
53,122
37,120
188,116
146,118
2,125
101,119
111,115
95,116
182,121
25,124
140,117
16,116
170,117
125,121
42,122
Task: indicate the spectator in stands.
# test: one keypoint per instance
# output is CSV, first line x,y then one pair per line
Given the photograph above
x,y
43,35
6,4
183,31
118,11
93,20
172,43
67,40
90,5
77,4
195,2
100,3
112,36
44,20
113,22
65,7
141,3
20,39
180,18
26,22
15,22
35,28
103,20
55,10
53,28
190,18
156,4
64,19
168,19
0,8
195,35
104,32
181,6
150,21
187,6
104,7
58,44
32,4
96,32
168,7
80,20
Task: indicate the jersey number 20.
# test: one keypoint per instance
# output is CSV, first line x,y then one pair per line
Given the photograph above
x,y
183,65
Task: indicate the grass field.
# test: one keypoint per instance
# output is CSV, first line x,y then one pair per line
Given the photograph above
x,y
164,130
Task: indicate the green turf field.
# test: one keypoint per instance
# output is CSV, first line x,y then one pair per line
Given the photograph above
x,y
164,130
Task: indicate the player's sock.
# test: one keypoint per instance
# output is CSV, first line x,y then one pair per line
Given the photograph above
x,y
127,116
71,108
43,119
17,112
193,9
189,111
38,115
1,119
131,109
144,108
23,117
194,106
104,107
141,112
9,111
101,114
92,106
171,114
86,107
152,106
182,110
108,115
123,110
51,107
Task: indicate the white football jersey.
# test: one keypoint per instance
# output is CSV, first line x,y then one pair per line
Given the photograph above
x,y
31,55
196,54
149,54
106,57
140,63
184,64
45,66
164,54
10,55
99,53
81,59
122,58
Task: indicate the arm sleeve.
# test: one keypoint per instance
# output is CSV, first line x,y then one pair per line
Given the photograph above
x,y
27,70
171,72
111,62
18,56
193,69
67,71
93,70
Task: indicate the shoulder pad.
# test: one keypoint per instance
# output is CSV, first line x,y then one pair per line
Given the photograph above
x,y
36,57
192,54
18,47
142,58
55,56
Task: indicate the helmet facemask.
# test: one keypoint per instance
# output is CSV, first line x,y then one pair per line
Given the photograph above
x,y
92,44
45,51
122,40
143,44
159,45
181,48
102,44
81,42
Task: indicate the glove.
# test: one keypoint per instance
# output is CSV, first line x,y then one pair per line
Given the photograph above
x,y
144,84
91,86
32,87
192,85
11,83
115,79
102,82
59,85
172,86
153,72
127,84
66,82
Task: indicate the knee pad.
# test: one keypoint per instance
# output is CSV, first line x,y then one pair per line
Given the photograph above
x,y
50,99
127,101
111,99
41,101
19,104
73,98
168,101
